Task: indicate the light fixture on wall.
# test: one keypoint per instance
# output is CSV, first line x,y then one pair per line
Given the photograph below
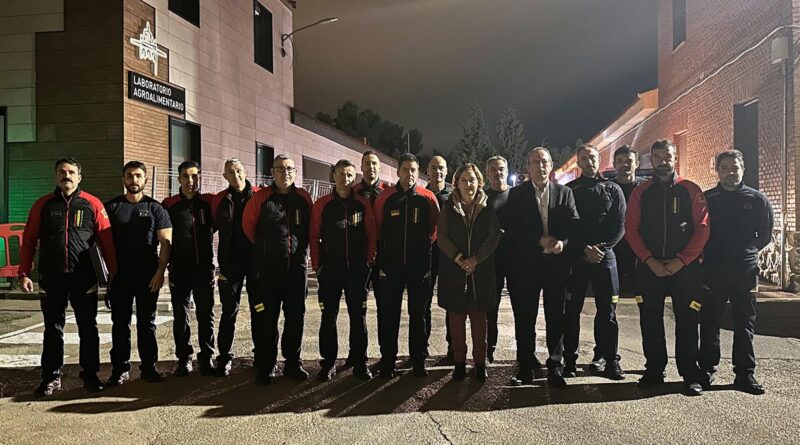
x,y
285,37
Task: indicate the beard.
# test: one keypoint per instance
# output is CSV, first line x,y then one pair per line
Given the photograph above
x,y
664,170
133,188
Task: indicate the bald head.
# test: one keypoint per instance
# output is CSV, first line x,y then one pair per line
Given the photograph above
x,y
437,171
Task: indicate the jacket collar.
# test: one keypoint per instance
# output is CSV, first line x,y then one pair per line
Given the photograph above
x,y
457,204
58,194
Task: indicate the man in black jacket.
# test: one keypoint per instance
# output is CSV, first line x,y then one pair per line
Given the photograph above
x,y
406,216
191,269
140,225
497,175
741,225
276,220
234,255
64,225
437,174
601,206
538,218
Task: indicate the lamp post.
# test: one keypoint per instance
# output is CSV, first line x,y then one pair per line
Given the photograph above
x,y
285,37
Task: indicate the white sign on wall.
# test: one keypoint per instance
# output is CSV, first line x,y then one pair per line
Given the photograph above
x,y
148,47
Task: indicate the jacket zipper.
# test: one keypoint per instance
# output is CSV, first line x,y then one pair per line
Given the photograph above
x,y
346,242
194,238
405,232
66,234
469,255
664,240
289,236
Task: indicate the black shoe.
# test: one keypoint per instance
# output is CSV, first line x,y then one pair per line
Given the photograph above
x,y
650,380
490,355
419,369
480,372
183,368
706,379
47,387
326,373
693,389
449,359
555,378
296,372
206,367
749,384
598,364
386,371
91,382
350,362
613,371
569,371
459,371
362,372
223,368
523,378
117,378
150,375
265,376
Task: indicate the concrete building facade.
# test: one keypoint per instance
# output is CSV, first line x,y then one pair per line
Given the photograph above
x,y
161,81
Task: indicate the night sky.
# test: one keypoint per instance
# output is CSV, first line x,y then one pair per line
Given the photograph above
x,y
569,67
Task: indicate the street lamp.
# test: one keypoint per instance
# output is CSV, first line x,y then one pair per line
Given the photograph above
x,y
285,37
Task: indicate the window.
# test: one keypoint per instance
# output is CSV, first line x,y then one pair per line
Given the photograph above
x,y
680,140
313,169
678,22
745,139
184,145
262,36
264,157
189,10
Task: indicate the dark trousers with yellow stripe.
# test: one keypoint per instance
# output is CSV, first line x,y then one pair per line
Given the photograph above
x,y
230,296
605,284
684,290
332,282
741,290
279,289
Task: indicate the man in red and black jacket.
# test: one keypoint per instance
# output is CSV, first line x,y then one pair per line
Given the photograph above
x,y
65,225
234,255
276,220
343,240
406,215
370,186
191,269
666,226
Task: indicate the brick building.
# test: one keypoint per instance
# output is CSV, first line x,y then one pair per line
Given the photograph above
x,y
162,81
718,88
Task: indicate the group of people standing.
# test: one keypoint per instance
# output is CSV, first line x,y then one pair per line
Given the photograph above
x,y
656,237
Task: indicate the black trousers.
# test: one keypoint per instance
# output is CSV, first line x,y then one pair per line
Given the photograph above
x,y
81,292
741,292
684,289
127,288
332,282
197,284
627,263
390,303
230,296
279,289
501,277
435,253
605,284
525,284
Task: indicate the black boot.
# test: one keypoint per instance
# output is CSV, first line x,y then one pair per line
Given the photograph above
x,y
480,372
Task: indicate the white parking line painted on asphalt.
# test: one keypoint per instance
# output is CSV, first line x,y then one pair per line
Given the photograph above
x,y
20,360
104,318
36,338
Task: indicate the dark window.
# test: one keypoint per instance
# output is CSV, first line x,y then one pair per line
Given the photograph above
x,y
745,139
681,140
313,169
678,22
262,36
189,10
184,145
264,157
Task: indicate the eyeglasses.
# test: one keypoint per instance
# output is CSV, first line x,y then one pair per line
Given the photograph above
x,y
285,169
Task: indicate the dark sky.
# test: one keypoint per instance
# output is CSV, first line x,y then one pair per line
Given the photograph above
x,y
567,66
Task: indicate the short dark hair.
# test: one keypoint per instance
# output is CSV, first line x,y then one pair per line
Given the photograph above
x,y
185,165
132,165
727,154
341,163
68,160
625,150
406,157
662,144
369,152
587,147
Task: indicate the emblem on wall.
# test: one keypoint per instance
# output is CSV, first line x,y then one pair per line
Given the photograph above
x,y
148,47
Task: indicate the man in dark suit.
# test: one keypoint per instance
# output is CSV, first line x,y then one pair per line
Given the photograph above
x,y
538,219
